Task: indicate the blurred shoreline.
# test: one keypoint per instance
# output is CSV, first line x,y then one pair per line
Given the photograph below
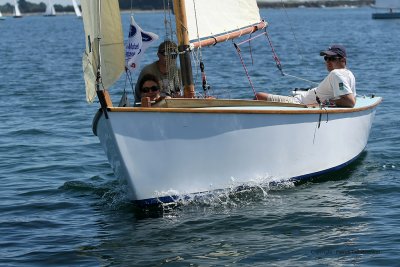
x,y
315,3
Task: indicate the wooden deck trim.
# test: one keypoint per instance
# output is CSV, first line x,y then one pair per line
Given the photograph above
x,y
212,103
240,103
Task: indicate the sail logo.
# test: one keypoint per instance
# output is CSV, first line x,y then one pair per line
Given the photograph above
x,y
146,37
132,31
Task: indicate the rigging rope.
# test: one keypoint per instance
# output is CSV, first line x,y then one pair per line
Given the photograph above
x,y
204,79
129,78
279,65
242,61
204,83
275,57
277,61
173,80
245,69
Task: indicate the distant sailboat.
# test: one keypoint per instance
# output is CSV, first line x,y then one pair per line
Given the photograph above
x,y
1,16
50,11
76,8
390,7
17,13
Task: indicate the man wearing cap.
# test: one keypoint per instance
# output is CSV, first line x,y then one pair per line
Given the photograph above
x,y
338,88
164,69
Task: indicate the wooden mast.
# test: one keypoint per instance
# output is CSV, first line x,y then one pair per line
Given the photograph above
x,y
183,47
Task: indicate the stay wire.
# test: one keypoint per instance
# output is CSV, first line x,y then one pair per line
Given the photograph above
x,y
292,31
251,50
128,76
279,65
300,51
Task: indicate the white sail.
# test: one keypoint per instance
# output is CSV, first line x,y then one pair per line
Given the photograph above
x,y
50,11
211,21
104,44
387,4
17,13
76,8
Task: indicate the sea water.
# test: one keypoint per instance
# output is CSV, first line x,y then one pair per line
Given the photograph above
x,y
61,205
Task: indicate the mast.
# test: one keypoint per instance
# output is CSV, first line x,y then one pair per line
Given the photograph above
x,y
183,47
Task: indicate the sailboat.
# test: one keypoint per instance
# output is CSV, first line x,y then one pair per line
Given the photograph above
x,y
17,13
188,147
76,8
50,11
391,8
1,16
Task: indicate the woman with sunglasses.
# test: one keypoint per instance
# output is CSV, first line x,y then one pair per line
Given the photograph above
x,y
338,88
164,69
150,88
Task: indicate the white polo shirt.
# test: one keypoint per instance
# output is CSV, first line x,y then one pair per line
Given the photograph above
x,y
338,82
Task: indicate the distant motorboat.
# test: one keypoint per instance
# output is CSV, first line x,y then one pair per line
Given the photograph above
x,y
17,12
391,7
50,11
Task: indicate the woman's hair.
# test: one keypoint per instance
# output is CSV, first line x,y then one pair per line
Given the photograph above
x,y
148,77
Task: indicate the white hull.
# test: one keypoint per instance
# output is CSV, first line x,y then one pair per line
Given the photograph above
x,y
228,146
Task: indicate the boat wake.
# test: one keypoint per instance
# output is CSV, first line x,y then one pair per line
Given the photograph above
x,y
235,195
113,196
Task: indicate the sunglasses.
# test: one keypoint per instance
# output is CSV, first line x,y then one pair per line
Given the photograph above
x,y
154,88
326,58
172,55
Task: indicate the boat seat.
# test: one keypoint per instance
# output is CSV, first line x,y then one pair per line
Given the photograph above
x,y
204,103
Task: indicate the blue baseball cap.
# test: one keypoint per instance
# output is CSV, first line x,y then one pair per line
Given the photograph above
x,y
334,50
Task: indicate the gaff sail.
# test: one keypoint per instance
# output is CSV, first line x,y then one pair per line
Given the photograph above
x,y
210,18
104,44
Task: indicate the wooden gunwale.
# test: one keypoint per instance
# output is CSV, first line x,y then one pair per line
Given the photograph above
x,y
232,110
